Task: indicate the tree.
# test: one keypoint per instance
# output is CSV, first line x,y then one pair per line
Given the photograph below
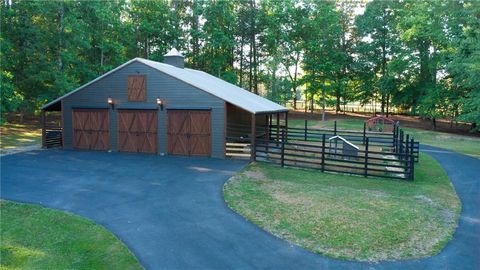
x,y
218,30
378,44
422,26
321,61
465,65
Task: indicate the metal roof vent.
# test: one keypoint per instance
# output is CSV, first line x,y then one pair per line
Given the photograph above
x,y
174,58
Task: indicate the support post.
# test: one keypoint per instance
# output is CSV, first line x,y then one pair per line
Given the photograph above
x,y
366,159
282,158
305,130
394,138
286,126
401,143
398,140
278,127
323,152
269,126
267,133
335,128
407,145
254,135
364,131
44,130
412,161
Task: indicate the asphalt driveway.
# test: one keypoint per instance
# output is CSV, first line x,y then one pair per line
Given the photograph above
x,y
170,210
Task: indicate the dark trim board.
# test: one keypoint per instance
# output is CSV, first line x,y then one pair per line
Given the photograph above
x,y
152,108
189,109
90,108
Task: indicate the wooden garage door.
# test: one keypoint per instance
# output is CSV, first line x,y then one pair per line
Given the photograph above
x,y
90,129
137,131
189,132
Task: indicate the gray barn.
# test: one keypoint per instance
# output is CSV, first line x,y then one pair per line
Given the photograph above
x,y
161,108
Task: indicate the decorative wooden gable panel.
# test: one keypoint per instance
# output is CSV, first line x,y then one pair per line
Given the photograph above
x,y
137,88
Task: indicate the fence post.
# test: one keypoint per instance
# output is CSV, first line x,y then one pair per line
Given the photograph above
x,y
412,160
394,135
398,140
323,152
407,141
44,130
401,144
364,131
306,126
366,158
283,149
335,128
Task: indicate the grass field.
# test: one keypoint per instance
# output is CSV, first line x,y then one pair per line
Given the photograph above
x,y
350,217
13,136
33,237
462,144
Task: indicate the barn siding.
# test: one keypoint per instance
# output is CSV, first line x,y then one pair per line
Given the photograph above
x,y
175,93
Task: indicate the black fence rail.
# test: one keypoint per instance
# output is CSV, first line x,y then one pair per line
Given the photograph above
x,y
323,157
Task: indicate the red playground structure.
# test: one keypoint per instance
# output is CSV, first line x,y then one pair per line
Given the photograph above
x,y
380,124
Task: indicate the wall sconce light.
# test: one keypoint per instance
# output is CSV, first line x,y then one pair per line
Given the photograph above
x,y
110,102
160,103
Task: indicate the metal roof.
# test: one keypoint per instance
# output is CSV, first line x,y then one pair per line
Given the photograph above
x,y
217,87
344,140
173,52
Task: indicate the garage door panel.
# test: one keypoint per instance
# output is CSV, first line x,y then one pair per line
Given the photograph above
x,y
200,123
91,129
189,132
126,120
200,145
100,141
178,144
147,143
178,122
81,139
137,131
126,142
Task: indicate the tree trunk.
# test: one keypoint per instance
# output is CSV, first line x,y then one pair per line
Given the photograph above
x,y
388,104
60,36
295,82
195,45
337,105
254,46
323,103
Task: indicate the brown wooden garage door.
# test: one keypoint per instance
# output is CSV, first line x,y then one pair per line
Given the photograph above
x,y
90,129
189,132
137,131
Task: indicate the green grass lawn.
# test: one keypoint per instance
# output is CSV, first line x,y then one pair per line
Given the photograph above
x,y
458,143
18,135
350,217
33,237
349,124
462,144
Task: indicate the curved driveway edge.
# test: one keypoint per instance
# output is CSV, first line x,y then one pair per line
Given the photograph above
x,y
170,210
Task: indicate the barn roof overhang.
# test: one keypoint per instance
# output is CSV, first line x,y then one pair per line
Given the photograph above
x,y
226,91
53,106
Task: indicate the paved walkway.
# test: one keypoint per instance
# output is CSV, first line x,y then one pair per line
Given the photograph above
x,y
170,210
